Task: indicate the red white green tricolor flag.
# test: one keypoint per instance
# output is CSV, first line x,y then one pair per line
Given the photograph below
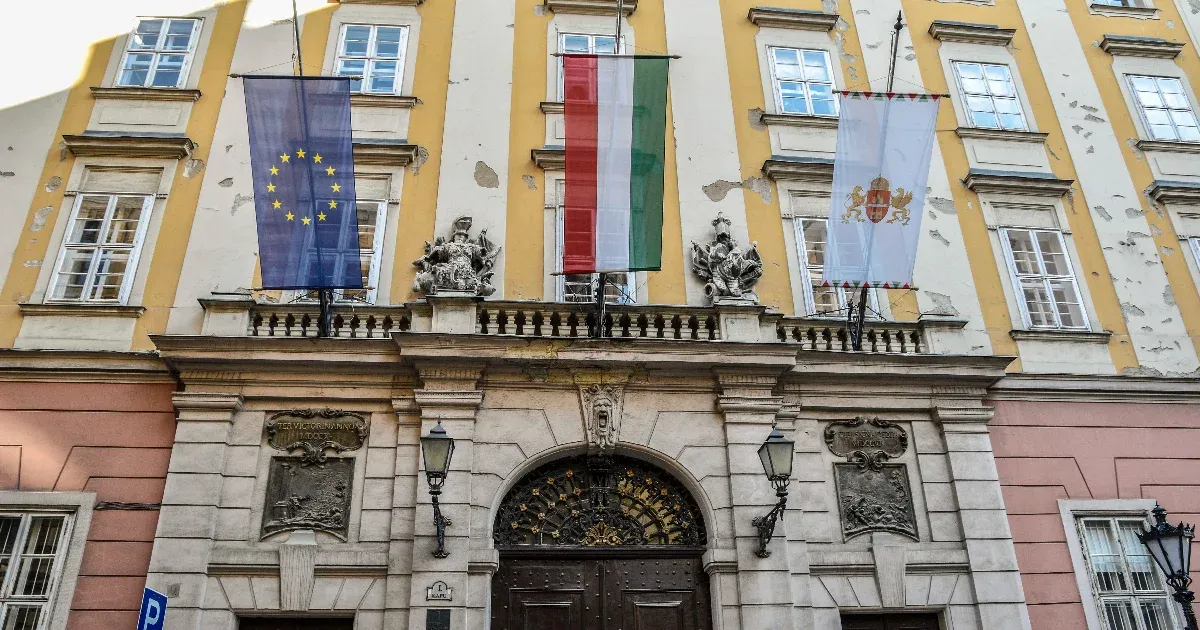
x,y
616,117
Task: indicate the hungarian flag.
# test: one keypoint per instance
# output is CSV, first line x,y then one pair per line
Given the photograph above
x,y
616,117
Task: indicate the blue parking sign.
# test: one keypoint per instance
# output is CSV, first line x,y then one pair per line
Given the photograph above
x,y
154,610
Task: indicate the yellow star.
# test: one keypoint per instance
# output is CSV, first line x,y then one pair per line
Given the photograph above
x,y
317,158
329,171
276,204
321,216
332,204
274,171
336,188
270,187
285,157
290,216
306,220
299,153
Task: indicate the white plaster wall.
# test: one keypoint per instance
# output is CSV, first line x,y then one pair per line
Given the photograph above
x,y
1156,328
705,141
943,273
223,247
474,172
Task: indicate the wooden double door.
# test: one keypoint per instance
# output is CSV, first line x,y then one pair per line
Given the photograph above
x,y
285,623
901,621
600,593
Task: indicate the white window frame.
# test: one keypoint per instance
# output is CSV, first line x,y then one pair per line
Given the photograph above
x,y
7,581
562,40
134,249
188,56
775,80
843,295
1019,293
1123,4
965,96
77,508
1141,108
628,293
401,59
1194,241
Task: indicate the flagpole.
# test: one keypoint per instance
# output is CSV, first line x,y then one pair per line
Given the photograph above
x,y
602,277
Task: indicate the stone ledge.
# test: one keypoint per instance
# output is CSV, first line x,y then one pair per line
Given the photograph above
x,y
1094,388
1168,146
1007,135
145,94
1140,46
800,120
1175,192
948,31
792,18
1143,13
384,154
171,147
80,310
811,170
549,158
553,107
1016,183
1077,336
380,100
590,7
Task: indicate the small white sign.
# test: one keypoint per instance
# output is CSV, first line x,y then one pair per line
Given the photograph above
x,y
440,591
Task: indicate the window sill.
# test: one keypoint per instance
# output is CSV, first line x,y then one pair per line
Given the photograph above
x,y
1171,192
591,7
1017,183
796,169
80,309
800,120
396,154
1168,146
384,100
1007,135
133,146
398,3
793,18
1154,47
1142,13
987,34
1062,334
549,158
146,94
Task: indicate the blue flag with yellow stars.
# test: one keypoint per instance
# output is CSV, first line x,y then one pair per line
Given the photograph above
x,y
302,158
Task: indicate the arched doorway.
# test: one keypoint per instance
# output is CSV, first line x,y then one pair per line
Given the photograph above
x,y
600,543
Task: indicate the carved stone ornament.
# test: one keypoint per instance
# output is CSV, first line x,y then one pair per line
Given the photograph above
x,y
602,414
314,431
729,271
874,499
869,442
301,495
458,265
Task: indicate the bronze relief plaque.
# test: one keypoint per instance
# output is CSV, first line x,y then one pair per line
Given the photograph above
x,y
868,437
313,431
872,499
303,495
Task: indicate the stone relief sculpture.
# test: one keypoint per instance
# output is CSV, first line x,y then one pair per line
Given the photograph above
x,y
458,265
602,414
730,271
873,495
303,495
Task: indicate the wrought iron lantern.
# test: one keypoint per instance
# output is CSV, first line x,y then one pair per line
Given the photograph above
x,y
776,456
1171,547
437,448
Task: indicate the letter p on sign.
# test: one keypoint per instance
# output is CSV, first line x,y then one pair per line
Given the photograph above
x,y
154,611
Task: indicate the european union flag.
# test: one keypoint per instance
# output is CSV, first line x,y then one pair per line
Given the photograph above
x,y
303,163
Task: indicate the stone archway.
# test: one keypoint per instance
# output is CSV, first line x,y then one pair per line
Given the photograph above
x,y
600,542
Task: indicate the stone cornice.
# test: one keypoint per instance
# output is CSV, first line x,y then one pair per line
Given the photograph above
x,y
1168,192
1168,146
947,31
1141,46
1096,389
1017,183
206,401
71,366
800,120
553,107
379,100
1080,336
591,7
792,18
1002,134
145,94
549,158
395,3
966,416
798,170
81,310
170,147
1144,13
384,154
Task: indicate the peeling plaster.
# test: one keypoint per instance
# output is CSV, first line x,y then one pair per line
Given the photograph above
x,y
1168,296
32,263
228,147
942,305
754,117
485,177
718,190
1134,213
530,182
39,218
1102,212
420,160
937,236
1094,118
829,6
1132,310
1166,251
942,204
225,183
539,10
7,174
240,200
194,167
53,184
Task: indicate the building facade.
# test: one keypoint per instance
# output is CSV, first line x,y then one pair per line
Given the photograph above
x,y
982,463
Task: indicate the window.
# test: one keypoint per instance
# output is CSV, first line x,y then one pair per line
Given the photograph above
x,y
1165,108
31,558
1126,583
990,96
375,53
581,288
372,217
1195,242
101,247
811,236
584,44
1115,3
803,81
159,53
1043,279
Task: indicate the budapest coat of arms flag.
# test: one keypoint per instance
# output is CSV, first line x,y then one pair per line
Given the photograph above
x,y
884,146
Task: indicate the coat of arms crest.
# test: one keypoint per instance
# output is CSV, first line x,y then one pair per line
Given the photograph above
x,y
878,201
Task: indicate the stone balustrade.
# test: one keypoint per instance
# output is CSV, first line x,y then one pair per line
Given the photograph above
x,y
570,321
885,337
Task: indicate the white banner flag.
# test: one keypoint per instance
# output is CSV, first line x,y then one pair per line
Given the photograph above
x,y
884,145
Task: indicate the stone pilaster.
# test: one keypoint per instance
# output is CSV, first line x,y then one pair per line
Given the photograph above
x,y
990,553
187,523
763,596
450,395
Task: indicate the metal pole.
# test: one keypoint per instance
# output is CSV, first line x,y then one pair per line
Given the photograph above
x,y
895,49
617,47
1185,597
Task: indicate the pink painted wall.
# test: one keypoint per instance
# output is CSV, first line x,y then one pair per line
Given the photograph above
x,y
1047,451
111,439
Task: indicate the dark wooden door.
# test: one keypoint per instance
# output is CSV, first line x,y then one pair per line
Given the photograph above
x,y
600,594
901,621
282,623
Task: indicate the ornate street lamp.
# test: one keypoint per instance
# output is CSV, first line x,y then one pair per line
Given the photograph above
x,y
437,448
776,456
1171,547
